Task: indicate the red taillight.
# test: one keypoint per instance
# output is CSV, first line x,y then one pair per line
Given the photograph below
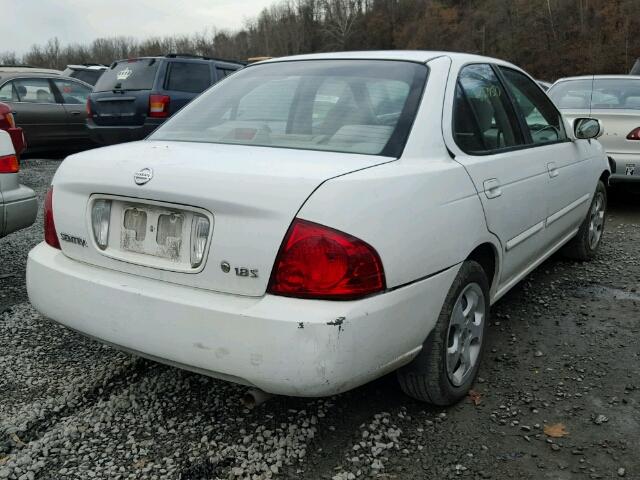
x,y
319,262
9,164
159,106
50,234
89,113
634,134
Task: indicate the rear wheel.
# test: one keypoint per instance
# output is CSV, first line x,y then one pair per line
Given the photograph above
x,y
448,364
585,244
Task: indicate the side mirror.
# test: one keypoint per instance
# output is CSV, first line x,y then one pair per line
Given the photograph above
x,y
587,128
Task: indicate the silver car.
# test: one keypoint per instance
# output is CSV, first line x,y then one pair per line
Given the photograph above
x,y
18,204
615,101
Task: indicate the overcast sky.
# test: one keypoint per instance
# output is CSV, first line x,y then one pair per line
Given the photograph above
x,y
26,22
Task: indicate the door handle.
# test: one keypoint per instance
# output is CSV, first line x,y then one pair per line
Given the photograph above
x,y
552,169
76,113
492,188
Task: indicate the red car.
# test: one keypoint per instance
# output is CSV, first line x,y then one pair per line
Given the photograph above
x,y
8,124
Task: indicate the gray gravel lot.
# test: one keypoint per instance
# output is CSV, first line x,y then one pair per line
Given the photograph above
x,y
563,349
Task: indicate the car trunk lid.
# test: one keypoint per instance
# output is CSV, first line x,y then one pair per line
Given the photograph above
x,y
250,195
617,124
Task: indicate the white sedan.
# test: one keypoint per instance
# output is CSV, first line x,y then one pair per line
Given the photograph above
x,y
314,222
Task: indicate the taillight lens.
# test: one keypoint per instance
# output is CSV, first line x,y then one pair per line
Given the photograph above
x,y
50,234
159,106
199,236
9,164
634,134
88,107
10,119
319,262
100,218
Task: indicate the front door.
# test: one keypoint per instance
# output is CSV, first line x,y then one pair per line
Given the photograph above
x,y
570,184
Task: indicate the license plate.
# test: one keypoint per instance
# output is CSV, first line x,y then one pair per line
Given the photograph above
x,y
153,231
630,169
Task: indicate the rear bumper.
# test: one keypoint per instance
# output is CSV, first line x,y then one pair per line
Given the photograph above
x,y
280,345
623,163
19,211
110,135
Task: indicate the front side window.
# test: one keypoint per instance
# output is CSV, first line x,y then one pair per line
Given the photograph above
x,y
355,106
73,93
543,120
188,77
34,90
483,119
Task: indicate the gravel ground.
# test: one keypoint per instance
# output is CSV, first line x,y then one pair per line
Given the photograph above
x,y
563,349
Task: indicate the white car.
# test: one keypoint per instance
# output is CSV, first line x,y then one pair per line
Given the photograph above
x,y
615,101
314,222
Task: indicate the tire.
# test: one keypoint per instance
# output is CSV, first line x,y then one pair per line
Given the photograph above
x,y
584,245
428,378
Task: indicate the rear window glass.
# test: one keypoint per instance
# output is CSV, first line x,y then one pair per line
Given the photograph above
x,y
354,106
188,77
600,93
136,74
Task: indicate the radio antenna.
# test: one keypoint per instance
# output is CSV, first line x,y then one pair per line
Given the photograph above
x,y
593,82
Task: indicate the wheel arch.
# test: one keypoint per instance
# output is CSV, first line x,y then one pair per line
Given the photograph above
x,y
487,255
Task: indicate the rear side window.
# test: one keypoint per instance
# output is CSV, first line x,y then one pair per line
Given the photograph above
x,y
188,77
8,93
73,93
138,74
483,119
541,117
34,90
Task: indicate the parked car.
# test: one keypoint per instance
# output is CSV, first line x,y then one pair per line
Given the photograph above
x,y
323,220
50,109
87,72
8,124
133,97
18,204
615,101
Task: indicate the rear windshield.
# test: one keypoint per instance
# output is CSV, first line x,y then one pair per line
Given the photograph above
x,y
601,93
353,106
137,74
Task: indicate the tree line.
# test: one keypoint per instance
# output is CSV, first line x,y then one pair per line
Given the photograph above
x,y
549,38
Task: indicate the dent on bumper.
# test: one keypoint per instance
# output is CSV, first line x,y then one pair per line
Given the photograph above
x,y
281,345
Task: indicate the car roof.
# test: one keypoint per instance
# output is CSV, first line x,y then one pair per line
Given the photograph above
x,y
12,75
87,67
421,56
599,77
197,58
28,69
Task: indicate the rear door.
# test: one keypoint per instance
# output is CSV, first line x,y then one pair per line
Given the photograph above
x,y
511,178
121,96
185,80
42,118
73,96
